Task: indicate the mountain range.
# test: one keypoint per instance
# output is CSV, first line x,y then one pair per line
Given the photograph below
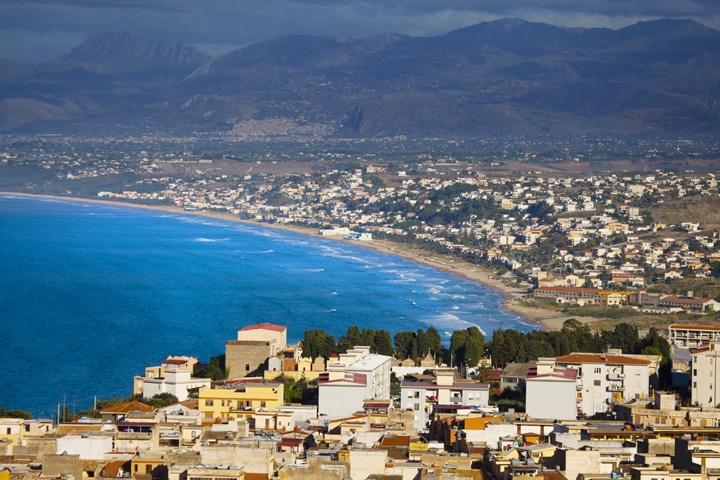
x,y
501,78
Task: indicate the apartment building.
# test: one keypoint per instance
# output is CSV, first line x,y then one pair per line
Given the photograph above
x,y
704,382
606,379
424,395
352,378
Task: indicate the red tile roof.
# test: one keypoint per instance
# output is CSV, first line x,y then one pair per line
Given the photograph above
x,y
264,326
133,406
174,361
584,291
598,358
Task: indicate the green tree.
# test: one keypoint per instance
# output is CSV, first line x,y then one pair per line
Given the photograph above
x,y
163,400
404,342
317,343
383,342
14,413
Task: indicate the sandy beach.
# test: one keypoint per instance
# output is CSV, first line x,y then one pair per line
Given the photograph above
x,y
547,320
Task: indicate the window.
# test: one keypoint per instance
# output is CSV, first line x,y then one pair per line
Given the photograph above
x,y
694,372
596,383
598,370
416,395
262,404
208,403
416,406
247,367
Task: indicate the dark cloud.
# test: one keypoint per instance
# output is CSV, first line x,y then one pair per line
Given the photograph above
x,y
41,29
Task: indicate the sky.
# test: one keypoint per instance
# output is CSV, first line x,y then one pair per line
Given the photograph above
x,y
34,31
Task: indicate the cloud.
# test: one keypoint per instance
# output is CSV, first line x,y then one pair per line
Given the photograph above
x,y
227,24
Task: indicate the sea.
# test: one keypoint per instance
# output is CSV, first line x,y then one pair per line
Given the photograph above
x,y
91,294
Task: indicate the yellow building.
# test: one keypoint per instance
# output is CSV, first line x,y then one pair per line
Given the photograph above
x,y
11,433
239,398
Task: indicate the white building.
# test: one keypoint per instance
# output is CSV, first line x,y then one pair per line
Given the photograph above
x,y
90,446
704,379
176,379
551,391
606,379
352,378
423,396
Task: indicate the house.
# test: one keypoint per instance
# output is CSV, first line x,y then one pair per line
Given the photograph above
x,y
606,379
118,412
352,378
513,375
247,356
239,398
174,377
550,391
425,395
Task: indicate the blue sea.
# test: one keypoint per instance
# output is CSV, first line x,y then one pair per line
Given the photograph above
x,y
91,294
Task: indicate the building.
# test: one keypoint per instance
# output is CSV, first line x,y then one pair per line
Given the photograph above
x,y
424,395
550,391
354,377
692,336
239,398
174,376
575,295
247,356
704,376
606,379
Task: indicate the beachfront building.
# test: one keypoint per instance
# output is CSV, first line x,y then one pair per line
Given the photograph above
x,y
247,356
351,379
239,399
173,376
606,379
551,391
424,395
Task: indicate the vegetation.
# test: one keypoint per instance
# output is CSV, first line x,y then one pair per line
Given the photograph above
x,y
5,413
468,347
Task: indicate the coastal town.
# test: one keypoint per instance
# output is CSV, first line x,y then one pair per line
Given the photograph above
x,y
587,415
646,239
641,244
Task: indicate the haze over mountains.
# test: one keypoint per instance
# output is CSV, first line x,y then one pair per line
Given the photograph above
x,y
500,78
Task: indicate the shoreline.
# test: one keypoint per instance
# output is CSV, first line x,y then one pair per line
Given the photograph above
x,y
545,319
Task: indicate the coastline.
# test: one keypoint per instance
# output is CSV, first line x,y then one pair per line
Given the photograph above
x,y
547,320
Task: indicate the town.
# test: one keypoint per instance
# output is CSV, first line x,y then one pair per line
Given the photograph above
x,y
588,415
645,239
632,243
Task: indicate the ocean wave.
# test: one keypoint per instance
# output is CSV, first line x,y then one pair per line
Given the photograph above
x,y
210,240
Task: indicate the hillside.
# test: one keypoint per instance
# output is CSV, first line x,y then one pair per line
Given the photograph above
x,y
501,78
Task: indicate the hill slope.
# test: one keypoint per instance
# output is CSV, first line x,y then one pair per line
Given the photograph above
x,y
506,77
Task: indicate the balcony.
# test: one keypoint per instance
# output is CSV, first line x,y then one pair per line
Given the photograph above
x,y
616,388
615,377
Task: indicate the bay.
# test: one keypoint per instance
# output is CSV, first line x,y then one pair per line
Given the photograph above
x,y
91,294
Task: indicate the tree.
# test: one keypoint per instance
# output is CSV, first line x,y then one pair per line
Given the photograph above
x,y
383,343
466,346
4,413
163,400
317,343
404,342
214,370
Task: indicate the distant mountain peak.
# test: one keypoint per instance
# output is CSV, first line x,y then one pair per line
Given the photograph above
x,y
127,52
